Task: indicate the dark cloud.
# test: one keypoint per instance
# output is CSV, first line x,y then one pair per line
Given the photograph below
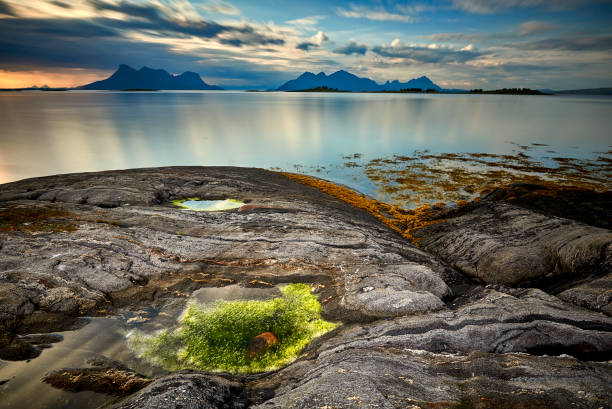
x,y
577,43
61,4
305,46
5,9
497,6
144,11
21,49
75,43
100,43
14,30
150,17
352,48
426,54
249,36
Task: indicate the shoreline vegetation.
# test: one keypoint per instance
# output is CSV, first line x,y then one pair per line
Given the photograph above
x,y
418,190
424,177
503,91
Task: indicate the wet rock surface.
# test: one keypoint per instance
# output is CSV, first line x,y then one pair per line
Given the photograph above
x,y
420,330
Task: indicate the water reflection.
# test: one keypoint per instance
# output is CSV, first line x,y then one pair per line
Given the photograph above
x,y
49,133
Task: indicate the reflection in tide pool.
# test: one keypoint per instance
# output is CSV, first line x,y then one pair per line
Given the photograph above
x,y
103,337
24,388
49,133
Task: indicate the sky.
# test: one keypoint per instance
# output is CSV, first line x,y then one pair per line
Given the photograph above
x,y
244,44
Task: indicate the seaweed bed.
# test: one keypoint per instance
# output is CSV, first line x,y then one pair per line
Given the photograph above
x,y
422,177
420,189
216,338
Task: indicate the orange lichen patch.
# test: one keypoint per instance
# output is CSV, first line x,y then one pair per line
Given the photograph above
x,y
401,220
36,219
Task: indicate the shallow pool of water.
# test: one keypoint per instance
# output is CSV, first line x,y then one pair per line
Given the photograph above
x,y
209,205
102,336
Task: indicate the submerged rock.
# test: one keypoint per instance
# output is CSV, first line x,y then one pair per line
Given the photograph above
x,y
261,343
111,381
18,350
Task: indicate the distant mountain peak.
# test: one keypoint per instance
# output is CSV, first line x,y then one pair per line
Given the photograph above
x,y
127,77
346,81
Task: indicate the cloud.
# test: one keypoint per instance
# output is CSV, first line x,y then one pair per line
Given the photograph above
x,y
249,37
305,46
574,43
535,27
306,21
61,4
5,9
496,6
221,8
352,48
171,21
313,42
432,53
378,14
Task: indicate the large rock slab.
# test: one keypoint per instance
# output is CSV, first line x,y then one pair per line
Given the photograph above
x,y
487,351
394,378
501,243
416,333
83,243
499,320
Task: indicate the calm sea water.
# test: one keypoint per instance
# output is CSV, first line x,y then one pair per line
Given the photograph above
x,y
43,133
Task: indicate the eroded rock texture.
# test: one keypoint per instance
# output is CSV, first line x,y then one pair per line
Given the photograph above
x,y
501,243
187,390
421,329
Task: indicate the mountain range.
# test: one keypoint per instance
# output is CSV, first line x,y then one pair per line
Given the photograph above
x,y
127,77
345,81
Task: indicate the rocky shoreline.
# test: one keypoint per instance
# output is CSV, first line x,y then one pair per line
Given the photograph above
x,y
505,303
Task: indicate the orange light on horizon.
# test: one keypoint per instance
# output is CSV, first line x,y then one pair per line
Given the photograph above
x,y
69,78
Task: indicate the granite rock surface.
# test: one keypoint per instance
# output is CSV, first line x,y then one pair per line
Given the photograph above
x,y
501,306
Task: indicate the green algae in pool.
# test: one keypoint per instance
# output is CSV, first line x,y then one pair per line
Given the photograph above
x,y
198,205
216,338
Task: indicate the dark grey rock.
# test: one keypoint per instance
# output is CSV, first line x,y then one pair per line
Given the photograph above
x,y
501,243
498,320
394,378
595,294
187,390
417,333
131,244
